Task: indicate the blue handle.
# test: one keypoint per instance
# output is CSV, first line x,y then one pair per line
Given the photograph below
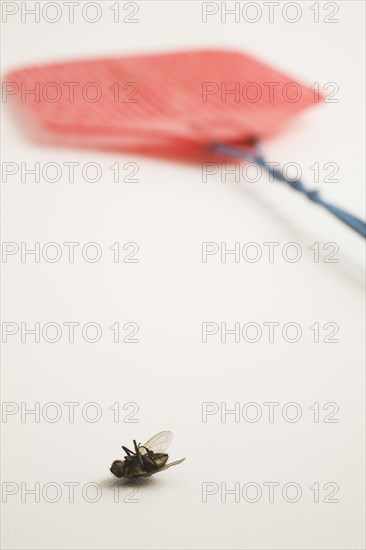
x,y
355,223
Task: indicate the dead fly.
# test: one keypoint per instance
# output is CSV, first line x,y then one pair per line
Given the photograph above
x,y
147,459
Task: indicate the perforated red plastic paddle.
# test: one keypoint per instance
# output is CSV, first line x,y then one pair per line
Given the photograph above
x,y
177,103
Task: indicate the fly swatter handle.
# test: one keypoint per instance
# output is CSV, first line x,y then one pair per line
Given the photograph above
x,y
347,218
352,221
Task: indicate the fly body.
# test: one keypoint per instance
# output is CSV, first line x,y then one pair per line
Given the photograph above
x,y
146,459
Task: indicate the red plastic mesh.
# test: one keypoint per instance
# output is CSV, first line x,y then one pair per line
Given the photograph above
x,y
161,107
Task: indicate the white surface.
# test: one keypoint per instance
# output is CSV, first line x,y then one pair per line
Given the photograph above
x,y
170,292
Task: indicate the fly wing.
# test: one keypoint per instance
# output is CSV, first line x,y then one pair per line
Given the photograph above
x,y
158,443
168,466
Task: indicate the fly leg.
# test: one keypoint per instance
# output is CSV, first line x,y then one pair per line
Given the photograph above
x,y
127,451
138,454
148,452
148,459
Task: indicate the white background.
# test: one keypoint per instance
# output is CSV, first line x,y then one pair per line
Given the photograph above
x,y
170,292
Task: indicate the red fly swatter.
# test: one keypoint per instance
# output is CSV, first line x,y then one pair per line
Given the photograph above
x,y
189,105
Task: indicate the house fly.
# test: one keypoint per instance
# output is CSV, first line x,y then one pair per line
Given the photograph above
x,y
146,459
